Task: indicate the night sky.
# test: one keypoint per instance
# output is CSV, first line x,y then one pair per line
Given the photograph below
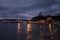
x,y
28,8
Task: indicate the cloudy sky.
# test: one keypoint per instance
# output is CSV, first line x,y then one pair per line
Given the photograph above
x,y
28,8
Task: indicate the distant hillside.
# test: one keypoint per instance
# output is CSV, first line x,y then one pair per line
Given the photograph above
x,y
37,18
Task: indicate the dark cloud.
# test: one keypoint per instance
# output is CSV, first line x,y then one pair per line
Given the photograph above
x,y
28,8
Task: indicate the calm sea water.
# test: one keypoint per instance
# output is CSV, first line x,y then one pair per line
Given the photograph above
x,y
8,31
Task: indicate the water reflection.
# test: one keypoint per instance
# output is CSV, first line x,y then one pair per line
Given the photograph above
x,y
24,31
22,34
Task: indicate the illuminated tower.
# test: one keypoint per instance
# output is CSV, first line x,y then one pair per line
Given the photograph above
x,y
18,28
28,26
28,30
51,31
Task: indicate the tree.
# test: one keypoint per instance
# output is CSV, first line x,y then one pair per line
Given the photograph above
x,y
57,14
38,17
57,17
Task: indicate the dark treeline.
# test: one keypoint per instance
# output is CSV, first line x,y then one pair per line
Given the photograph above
x,y
55,17
38,17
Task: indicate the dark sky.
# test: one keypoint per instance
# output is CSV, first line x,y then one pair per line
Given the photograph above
x,y
28,8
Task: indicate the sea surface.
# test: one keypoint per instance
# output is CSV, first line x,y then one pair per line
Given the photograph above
x,y
8,31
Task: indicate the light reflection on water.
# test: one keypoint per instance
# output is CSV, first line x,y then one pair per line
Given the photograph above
x,y
8,31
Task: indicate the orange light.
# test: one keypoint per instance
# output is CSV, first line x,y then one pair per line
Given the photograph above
x,y
18,28
50,27
28,27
